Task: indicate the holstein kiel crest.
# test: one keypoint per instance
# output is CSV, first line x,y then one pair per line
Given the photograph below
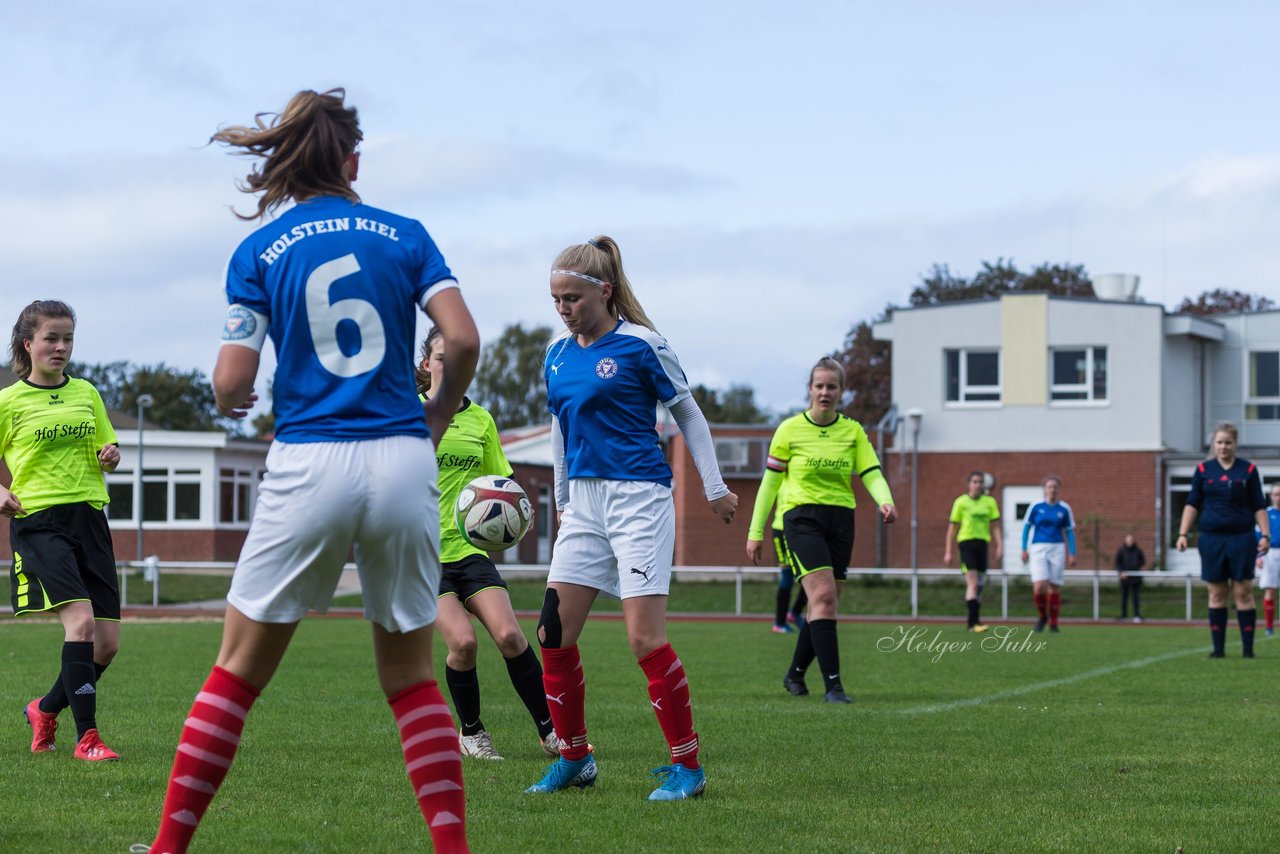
x,y
606,368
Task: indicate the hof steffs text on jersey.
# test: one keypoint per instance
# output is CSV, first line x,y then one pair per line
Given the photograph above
x,y
324,226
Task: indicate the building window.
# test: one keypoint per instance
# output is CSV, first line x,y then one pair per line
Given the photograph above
x,y
120,492
1078,373
237,490
167,496
741,455
973,376
1263,402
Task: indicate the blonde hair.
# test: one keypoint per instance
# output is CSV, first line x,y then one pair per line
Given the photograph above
x,y
29,320
601,258
1228,428
303,150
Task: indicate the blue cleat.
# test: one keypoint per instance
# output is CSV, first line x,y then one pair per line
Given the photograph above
x,y
564,773
679,783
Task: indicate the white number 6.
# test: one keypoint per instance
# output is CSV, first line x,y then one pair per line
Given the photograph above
x,y
324,318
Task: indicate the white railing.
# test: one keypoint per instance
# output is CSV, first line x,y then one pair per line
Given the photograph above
x,y
152,571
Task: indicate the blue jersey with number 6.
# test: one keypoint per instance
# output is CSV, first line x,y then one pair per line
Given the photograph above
x,y
340,284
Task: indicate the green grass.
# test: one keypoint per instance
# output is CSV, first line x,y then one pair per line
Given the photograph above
x,y
1105,738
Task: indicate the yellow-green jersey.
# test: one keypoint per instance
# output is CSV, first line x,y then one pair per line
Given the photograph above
x,y
817,463
50,438
468,449
778,511
974,516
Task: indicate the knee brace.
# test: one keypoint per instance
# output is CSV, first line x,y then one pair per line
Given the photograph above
x,y
549,621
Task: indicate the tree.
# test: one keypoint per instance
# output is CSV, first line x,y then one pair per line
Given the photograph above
x,y
735,405
180,400
509,380
1220,301
868,363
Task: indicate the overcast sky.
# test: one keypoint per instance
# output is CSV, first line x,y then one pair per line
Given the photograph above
x,y
774,173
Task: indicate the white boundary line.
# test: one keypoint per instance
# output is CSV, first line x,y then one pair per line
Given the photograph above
x,y
1053,683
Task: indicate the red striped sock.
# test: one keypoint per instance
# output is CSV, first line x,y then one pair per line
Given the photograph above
x,y
669,695
1269,608
434,763
565,684
205,752
1041,600
1055,605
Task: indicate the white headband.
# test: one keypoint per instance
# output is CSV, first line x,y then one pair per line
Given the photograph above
x,y
592,279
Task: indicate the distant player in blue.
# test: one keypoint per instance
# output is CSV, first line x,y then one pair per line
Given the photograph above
x,y
606,374
1226,496
1051,529
337,286
1269,564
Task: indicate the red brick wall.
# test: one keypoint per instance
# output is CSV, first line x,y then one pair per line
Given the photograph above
x,y
1110,493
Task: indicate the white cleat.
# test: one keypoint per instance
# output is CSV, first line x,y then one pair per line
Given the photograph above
x,y
479,746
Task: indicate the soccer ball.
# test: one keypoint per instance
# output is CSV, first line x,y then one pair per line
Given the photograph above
x,y
492,512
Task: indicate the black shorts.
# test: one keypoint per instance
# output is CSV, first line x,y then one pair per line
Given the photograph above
x,y
819,536
973,555
1227,556
63,554
780,549
467,577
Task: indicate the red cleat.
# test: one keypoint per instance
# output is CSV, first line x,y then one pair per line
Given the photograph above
x,y
91,749
43,726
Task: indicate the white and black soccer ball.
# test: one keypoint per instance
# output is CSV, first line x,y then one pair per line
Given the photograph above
x,y
493,512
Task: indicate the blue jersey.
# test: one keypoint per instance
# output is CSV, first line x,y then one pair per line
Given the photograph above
x,y
340,284
1049,523
1226,498
1273,522
605,397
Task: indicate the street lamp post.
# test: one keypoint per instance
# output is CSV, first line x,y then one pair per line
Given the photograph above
x,y
915,416
144,400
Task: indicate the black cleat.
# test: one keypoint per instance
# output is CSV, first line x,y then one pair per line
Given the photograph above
x,y
1040,624
1054,629
1247,654
837,695
796,687
1217,653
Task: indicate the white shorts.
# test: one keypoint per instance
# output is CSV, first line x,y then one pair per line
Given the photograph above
x,y
617,536
319,499
1048,562
1269,572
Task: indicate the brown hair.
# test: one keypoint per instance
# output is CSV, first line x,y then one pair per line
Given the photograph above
x,y
601,258
1051,477
304,149
826,363
421,375
25,329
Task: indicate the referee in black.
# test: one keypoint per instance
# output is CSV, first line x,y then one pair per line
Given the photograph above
x,y
1226,496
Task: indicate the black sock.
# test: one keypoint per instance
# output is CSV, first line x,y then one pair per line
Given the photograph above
x,y
1248,620
78,684
1137,611
1218,628
55,701
803,656
526,677
464,689
801,601
781,601
827,650
972,605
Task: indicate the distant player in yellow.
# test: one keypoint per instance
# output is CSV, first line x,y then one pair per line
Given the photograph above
x,y
57,442
814,456
971,528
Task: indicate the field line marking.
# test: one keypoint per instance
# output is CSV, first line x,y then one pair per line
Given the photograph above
x,y
1053,683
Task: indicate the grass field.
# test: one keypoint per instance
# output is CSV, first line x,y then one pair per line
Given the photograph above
x,y
1102,738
